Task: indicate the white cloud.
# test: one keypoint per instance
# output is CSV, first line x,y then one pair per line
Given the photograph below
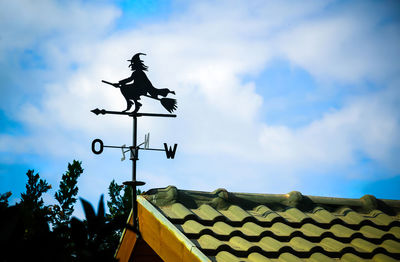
x,y
368,125
349,45
32,25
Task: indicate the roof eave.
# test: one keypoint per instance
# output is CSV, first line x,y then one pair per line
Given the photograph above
x,y
160,234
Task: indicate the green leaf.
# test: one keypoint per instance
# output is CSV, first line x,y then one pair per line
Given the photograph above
x,y
100,209
89,211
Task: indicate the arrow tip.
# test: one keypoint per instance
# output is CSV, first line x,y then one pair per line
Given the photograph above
x,y
97,111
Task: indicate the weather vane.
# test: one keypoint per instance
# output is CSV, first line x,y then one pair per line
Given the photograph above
x,y
132,88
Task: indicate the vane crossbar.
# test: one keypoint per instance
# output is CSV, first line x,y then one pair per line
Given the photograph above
x,y
138,147
120,147
152,149
152,114
103,112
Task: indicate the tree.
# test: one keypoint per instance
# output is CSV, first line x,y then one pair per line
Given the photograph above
x,y
4,199
119,204
66,193
35,214
35,187
25,226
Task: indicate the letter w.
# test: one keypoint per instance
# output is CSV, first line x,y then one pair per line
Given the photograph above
x,y
169,151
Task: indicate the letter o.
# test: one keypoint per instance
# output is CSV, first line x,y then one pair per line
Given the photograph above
x,y
94,146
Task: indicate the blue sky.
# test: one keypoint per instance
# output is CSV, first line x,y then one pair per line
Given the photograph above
x,y
273,96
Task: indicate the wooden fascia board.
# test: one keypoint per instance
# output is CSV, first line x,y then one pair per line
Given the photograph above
x,y
126,243
160,234
163,237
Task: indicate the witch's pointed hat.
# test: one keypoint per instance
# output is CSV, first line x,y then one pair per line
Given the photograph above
x,y
136,58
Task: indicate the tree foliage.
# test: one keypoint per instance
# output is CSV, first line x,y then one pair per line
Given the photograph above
x,y
25,226
31,230
66,193
35,214
119,204
4,199
35,187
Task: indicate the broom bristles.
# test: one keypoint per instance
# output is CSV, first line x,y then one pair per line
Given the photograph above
x,y
169,104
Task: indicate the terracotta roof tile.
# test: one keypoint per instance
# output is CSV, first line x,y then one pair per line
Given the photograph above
x,y
290,227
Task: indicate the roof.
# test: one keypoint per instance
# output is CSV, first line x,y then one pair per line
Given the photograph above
x,y
225,226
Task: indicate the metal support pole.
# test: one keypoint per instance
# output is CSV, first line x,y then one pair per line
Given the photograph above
x,y
134,158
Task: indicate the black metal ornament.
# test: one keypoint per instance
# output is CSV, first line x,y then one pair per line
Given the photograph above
x,y
132,92
137,85
169,151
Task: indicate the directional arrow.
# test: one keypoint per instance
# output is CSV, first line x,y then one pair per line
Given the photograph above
x,y
103,112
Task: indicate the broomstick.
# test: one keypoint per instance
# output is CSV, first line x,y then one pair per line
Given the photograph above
x,y
168,103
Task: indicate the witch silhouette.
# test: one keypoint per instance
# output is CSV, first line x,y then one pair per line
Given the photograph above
x,y
137,85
